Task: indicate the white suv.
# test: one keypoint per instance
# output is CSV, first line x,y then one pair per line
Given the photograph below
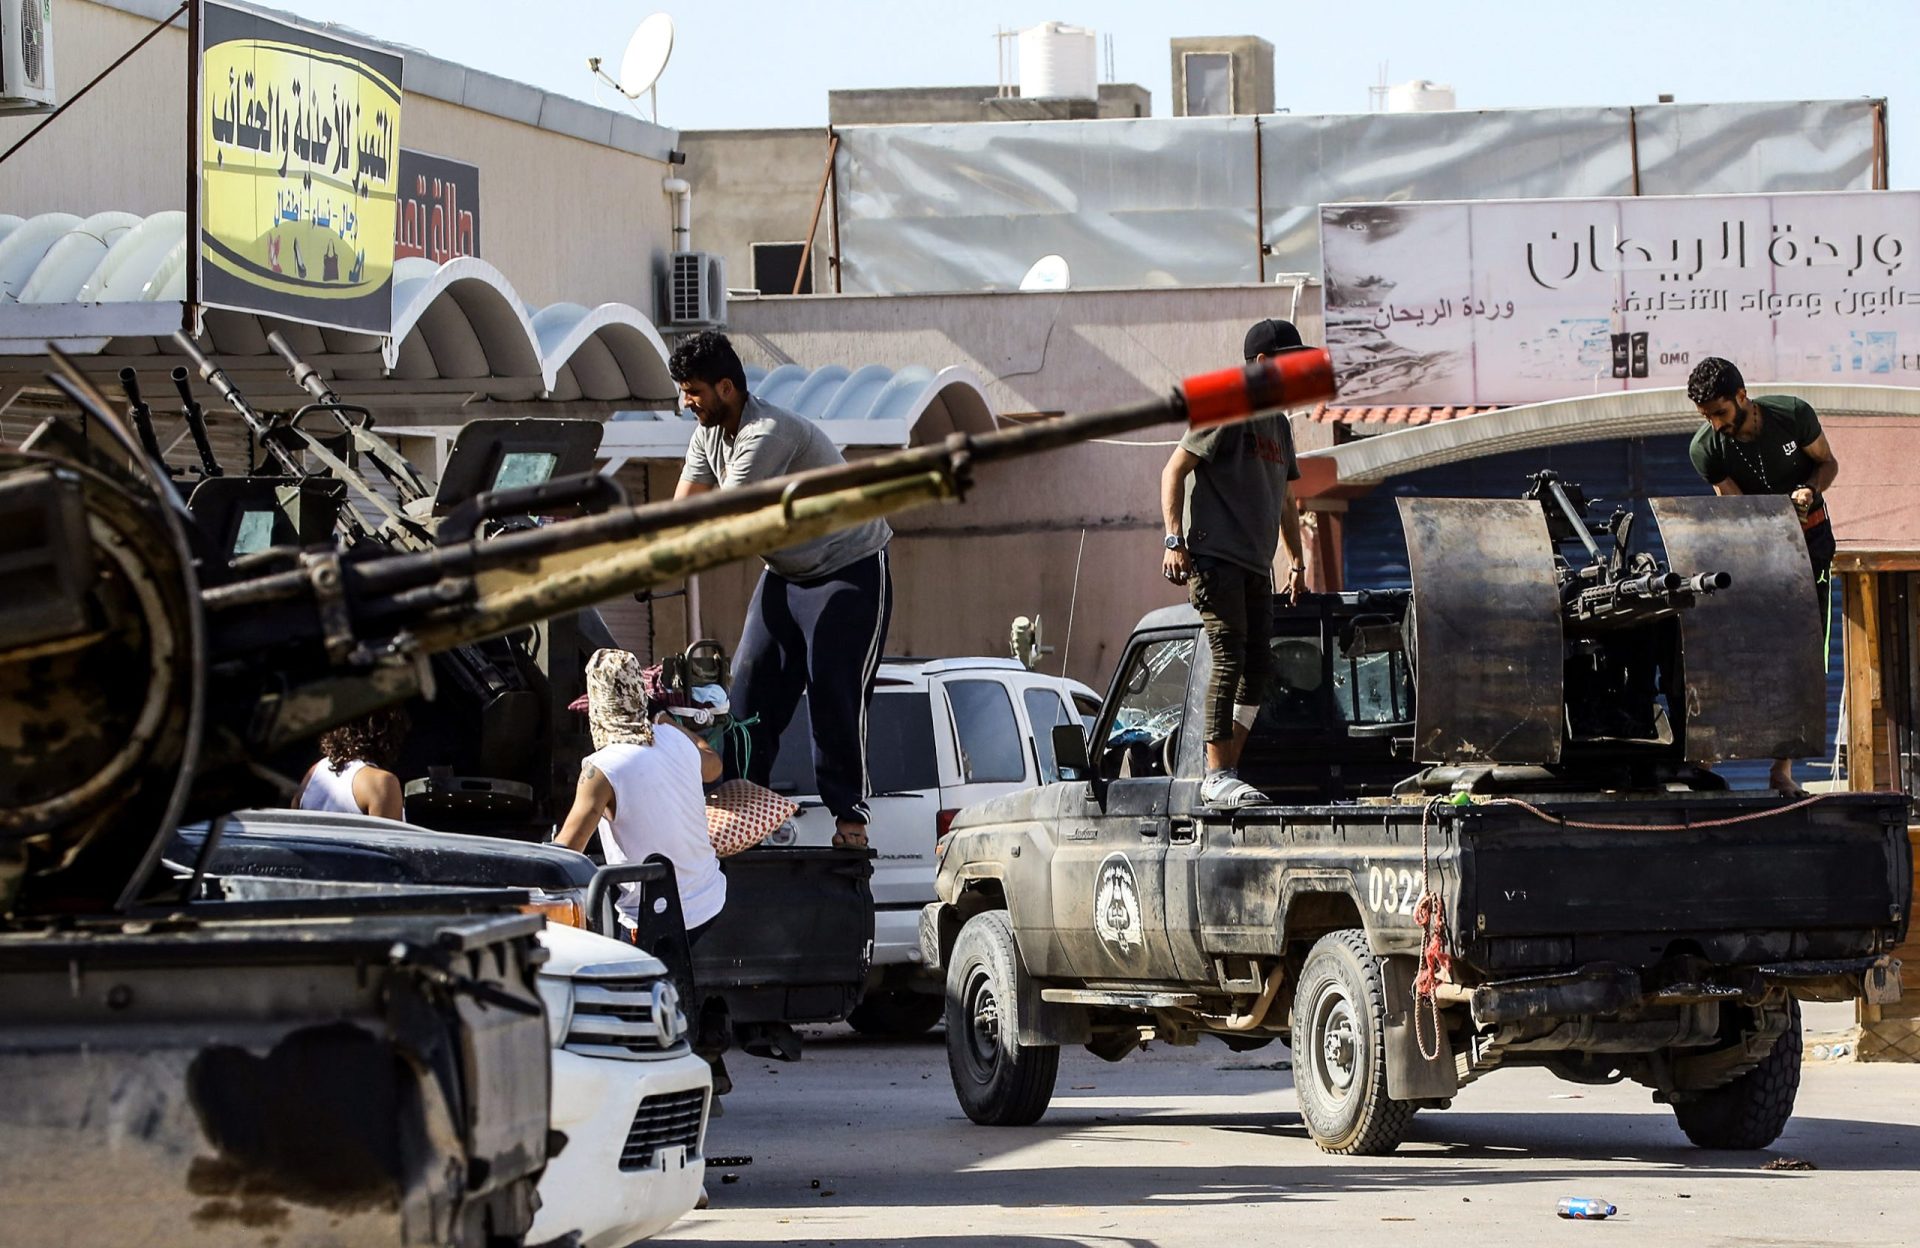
x,y
941,734
628,1093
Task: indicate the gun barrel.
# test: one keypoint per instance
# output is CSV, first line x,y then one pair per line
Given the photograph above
x,y
141,415
196,419
538,573
304,374
1708,582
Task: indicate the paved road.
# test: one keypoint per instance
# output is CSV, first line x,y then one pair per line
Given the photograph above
x,y
1204,1147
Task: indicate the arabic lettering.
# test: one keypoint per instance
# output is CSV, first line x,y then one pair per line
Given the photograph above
x,y
1560,259
1389,315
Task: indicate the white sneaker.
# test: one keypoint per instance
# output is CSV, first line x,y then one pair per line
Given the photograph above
x,y
1227,790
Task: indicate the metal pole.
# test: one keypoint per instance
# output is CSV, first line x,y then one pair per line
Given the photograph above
x,y
833,176
190,317
1633,144
1260,204
813,226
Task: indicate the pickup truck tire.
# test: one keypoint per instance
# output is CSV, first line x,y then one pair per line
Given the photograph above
x,y
896,1012
1339,1030
1000,1082
1751,1111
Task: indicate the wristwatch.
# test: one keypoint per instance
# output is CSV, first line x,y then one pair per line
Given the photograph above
x,y
1176,542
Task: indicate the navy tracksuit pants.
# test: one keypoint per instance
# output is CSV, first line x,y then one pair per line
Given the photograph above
x,y
822,637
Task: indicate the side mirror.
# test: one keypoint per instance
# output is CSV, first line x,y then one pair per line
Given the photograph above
x,y
1070,752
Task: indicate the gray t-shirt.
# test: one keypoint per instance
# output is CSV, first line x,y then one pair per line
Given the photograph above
x,y
1234,497
773,442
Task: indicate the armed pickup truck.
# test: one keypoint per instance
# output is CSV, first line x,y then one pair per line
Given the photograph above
x,y
1434,894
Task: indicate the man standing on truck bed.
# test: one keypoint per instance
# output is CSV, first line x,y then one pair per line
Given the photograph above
x,y
1769,445
818,619
1225,500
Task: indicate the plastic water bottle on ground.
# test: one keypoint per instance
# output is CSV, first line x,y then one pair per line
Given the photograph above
x,y
1585,1207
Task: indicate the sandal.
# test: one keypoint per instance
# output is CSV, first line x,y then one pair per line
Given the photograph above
x,y
850,838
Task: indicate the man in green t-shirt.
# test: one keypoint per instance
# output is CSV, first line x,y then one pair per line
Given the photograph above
x,y
1769,445
1225,500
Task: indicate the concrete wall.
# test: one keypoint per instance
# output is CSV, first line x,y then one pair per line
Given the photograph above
x,y
758,186
563,218
892,106
963,572
1252,70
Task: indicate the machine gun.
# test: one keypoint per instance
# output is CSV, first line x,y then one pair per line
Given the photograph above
x,y
1619,589
144,696
1548,651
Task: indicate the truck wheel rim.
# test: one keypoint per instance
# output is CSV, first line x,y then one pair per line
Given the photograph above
x,y
983,1020
1336,1043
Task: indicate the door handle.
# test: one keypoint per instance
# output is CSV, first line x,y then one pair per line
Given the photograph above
x,y
1150,830
1182,830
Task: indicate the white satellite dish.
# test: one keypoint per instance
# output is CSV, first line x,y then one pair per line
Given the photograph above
x,y
646,55
1049,272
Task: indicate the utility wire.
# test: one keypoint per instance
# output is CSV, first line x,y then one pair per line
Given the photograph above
x,y
77,96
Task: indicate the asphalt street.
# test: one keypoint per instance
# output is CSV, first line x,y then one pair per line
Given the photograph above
x,y
862,1143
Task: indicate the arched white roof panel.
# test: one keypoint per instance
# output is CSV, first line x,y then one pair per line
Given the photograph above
x,y
953,401
855,398
26,246
901,394
471,319
460,322
123,274
815,394
64,270
777,387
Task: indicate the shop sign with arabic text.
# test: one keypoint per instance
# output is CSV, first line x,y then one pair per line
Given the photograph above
x,y
299,172
1519,301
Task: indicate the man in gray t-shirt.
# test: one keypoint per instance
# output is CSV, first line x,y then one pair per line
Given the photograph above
x,y
818,620
1224,495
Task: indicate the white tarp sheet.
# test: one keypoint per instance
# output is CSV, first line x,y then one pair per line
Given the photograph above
x,y
1520,301
1194,200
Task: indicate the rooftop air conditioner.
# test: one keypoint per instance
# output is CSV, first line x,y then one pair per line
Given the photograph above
x,y
696,290
26,56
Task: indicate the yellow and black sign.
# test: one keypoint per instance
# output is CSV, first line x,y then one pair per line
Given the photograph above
x,y
299,172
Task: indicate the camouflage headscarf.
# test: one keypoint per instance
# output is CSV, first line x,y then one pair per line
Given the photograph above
x,y
617,700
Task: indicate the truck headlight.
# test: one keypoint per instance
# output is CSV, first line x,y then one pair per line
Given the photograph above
x,y
556,994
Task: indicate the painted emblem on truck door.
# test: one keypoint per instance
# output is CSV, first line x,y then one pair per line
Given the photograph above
x,y
1116,906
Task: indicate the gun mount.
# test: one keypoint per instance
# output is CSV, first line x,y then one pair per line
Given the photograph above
x,y
154,670
1546,642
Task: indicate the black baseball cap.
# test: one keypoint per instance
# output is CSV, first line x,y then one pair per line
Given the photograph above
x,y
1271,337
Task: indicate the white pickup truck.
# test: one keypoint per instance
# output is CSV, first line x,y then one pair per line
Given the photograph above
x,y
941,734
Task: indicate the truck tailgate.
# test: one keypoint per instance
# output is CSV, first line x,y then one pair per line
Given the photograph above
x,y
1823,877
793,942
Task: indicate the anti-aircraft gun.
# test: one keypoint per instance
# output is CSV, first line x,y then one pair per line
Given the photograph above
x,y
190,1062
1549,653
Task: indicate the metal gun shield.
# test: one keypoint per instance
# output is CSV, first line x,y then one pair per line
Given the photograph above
x,y
1489,677
1750,654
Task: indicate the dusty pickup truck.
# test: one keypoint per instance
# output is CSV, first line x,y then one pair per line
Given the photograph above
x,y
1611,912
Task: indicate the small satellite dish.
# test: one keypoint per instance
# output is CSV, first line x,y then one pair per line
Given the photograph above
x,y
646,55
1048,273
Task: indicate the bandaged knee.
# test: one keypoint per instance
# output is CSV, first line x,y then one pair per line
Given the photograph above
x,y
1244,715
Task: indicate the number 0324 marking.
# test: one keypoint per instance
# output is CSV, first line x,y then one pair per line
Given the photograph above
x,y
1390,891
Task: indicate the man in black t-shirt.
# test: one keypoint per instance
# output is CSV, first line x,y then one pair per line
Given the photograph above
x,y
1769,445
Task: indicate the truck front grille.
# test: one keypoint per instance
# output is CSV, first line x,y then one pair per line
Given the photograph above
x,y
616,1018
662,1122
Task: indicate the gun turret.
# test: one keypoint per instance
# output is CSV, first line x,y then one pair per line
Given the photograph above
x,y
1616,589
185,689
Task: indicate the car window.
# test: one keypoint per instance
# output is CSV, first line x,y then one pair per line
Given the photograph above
x,y
1143,738
991,748
1045,710
1374,688
1292,701
900,755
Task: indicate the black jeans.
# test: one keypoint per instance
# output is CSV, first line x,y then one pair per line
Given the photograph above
x,y
823,637
1236,610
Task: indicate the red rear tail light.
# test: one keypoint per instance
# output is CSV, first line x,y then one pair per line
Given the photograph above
x,y
943,823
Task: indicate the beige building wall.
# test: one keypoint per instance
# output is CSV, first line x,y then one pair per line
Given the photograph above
x,y
963,572
563,218
758,186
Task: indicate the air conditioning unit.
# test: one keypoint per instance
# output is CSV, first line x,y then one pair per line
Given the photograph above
x,y
26,56
696,290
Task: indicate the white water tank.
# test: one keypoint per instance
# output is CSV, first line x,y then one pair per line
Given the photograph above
x,y
1420,96
1058,61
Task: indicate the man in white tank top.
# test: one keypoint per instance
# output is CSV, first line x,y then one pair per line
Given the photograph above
x,y
353,777
643,788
